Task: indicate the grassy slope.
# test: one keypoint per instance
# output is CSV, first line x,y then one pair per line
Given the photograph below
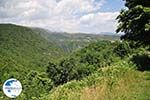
x,y
110,83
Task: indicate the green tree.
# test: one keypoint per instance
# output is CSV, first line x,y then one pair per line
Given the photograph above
x,y
122,49
135,21
36,84
63,72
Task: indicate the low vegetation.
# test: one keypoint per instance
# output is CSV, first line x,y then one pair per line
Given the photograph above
x,y
109,83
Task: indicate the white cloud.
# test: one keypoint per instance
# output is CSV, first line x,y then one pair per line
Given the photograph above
x,y
103,21
59,15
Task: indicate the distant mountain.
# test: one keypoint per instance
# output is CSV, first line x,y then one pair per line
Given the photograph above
x,y
69,42
76,36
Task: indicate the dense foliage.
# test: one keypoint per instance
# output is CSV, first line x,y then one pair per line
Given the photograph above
x,y
26,47
22,51
135,21
82,63
24,55
117,82
43,61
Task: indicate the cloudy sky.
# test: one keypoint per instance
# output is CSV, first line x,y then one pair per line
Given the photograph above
x,y
91,16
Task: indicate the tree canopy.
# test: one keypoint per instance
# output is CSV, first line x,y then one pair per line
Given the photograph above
x,y
135,21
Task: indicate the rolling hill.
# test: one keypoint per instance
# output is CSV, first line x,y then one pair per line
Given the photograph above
x,y
71,41
26,47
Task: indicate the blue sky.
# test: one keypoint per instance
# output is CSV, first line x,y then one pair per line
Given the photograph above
x,y
112,5
88,16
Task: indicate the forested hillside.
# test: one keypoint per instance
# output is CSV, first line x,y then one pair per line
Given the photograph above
x,y
26,47
25,54
71,41
23,51
62,66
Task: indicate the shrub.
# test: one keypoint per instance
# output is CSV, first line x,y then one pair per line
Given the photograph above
x,y
122,49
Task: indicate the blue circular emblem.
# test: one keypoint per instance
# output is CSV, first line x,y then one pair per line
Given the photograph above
x,y
12,88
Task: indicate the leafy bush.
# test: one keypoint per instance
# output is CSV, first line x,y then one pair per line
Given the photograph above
x,y
35,85
122,49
